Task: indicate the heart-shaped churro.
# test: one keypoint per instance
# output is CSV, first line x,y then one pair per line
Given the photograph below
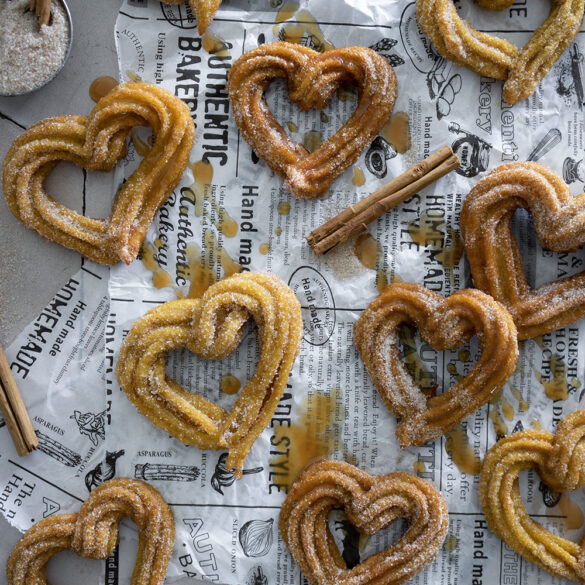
x,y
443,324
97,143
212,328
491,56
92,533
559,459
371,503
494,254
312,80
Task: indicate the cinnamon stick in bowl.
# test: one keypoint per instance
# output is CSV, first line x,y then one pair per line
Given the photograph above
x,y
355,219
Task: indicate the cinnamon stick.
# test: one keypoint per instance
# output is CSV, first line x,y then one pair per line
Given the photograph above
x,y
14,412
42,10
355,219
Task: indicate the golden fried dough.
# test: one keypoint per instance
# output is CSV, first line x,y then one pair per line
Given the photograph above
x,y
443,324
494,254
312,79
491,56
370,502
93,533
97,143
211,328
559,459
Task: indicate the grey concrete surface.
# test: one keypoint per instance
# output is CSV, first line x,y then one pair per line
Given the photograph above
x,y
32,269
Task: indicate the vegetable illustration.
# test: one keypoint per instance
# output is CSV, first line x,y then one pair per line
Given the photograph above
x,y
257,577
161,472
57,451
224,478
104,470
91,425
256,537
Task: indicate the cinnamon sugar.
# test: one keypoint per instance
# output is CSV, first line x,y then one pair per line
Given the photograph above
x,y
29,57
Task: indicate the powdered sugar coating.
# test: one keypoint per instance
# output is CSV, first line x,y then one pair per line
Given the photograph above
x,y
28,56
443,324
96,143
312,80
491,56
93,533
370,503
494,255
212,327
560,460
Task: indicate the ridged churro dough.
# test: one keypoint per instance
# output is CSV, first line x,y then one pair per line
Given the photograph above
x,y
559,459
491,56
312,80
204,11
92,533
211,328
494,254
370,502
444,324
96,143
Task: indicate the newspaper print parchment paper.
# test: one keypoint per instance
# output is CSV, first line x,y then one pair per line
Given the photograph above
x,y
230,213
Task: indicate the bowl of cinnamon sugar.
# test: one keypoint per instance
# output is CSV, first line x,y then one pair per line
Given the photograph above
x,y
35,42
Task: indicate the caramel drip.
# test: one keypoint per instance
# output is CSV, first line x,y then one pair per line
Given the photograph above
x,y
160,277
574,516
522,404
460,451
422,377
557,386
500,427
306,27
229,384
134,77
201,187
317,433
283,208
358,177
425,232
452,369
312,140
142,148
397,132
215,45
286,11
419,466
367,250
101,86
201,271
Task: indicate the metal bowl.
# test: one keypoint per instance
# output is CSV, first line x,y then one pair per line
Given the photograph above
x,y
58,70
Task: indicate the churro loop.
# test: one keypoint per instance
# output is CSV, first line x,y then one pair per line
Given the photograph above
x,y
204,10
443,324
559,459
491,56
312,79
371,503
494,254
93,533
97,143
211,328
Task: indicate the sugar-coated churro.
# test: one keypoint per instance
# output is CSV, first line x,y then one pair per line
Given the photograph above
x,y
443,324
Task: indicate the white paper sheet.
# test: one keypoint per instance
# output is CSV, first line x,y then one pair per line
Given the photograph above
x,y
418,242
